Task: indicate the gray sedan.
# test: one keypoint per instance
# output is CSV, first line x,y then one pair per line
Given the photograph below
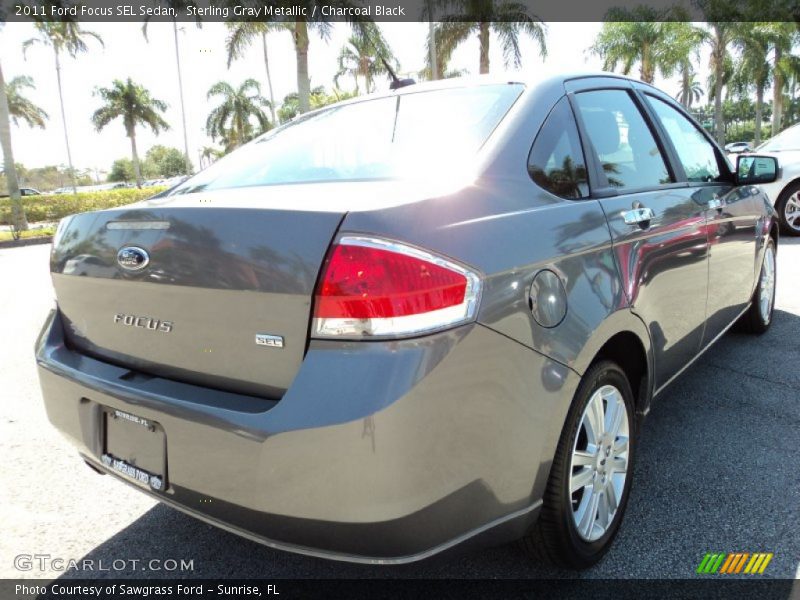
x,y
413,319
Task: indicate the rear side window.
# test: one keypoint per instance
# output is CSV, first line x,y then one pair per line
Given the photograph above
x,y
696,153
624,144
556,160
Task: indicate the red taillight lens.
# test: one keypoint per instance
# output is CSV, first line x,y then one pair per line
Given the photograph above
x,y
365,283
372,287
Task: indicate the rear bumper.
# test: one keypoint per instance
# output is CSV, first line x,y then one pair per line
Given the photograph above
x,y
378,452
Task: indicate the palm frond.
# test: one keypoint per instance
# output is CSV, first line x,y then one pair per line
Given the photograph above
x,y
21,108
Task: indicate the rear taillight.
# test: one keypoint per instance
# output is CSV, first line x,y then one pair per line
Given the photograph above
x,y
378,288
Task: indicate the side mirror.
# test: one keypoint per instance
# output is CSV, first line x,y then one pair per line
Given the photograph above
x,y
752,168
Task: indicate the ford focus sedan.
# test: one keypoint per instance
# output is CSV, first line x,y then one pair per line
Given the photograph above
x,y
412,320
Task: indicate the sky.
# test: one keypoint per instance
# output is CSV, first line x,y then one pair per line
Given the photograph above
x,y
203,62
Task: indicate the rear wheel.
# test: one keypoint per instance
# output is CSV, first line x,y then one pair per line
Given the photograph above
x,y
788,207
759,316
591,474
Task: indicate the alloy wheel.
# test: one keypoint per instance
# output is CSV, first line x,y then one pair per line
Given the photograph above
x,y
599,465
767,284
791,211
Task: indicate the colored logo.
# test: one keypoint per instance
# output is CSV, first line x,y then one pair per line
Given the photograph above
x,y
734,562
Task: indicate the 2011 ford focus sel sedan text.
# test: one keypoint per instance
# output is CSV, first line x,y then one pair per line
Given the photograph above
x,y
413,319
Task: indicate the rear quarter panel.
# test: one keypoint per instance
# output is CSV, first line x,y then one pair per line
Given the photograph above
x,y
509,229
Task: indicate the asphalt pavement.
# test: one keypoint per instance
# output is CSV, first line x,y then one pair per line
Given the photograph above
x,y
718,470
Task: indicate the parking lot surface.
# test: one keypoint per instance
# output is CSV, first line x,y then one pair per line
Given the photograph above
x,y
718,470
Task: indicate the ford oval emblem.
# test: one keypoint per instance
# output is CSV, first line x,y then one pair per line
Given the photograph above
x,y
132,258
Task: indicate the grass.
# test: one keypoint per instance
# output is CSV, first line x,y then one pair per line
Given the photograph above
x,y
29,234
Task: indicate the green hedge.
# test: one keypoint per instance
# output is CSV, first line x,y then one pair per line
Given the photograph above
x,y
53,208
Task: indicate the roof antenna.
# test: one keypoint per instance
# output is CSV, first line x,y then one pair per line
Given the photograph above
x,y
397,83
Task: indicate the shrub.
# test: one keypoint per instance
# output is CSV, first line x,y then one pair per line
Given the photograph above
x,y
53,208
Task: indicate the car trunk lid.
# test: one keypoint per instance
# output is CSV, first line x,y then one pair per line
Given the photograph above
x,y
224,300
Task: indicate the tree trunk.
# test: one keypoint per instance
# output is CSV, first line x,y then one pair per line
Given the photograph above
x,y
647,69
432,51
135,158
363,66
788,115
18,220
188,163
777,94
64,121
759,109
719,68
686,92
239,128
483,38
303,82
269,79
719,132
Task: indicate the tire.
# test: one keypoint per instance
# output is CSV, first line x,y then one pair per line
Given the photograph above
x,y
788,208
560,536
758,317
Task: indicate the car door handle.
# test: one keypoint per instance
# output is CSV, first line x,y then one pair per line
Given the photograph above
x,y
638,216
716,203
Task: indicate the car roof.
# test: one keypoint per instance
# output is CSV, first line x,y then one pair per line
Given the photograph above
x,y
541,78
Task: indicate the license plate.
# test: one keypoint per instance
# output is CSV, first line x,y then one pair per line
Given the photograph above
x,y
135,448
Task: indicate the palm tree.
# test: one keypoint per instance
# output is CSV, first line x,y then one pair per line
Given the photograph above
x,y
691,91
685,48
656,40
365,56
241,35
785,65
721,16
19,107
753,70
435,65
432,69
240,115
18,220
300,33
433,61
180,7
300,30
301,41
209,154
289,108
62,36
136,106
507,19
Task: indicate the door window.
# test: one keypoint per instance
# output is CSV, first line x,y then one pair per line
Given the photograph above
x,y
627,150
696,153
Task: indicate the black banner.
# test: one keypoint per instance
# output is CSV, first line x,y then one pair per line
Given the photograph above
x,y
412,589
397,10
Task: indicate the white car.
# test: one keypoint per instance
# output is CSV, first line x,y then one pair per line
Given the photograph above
x,y
785,191
738,147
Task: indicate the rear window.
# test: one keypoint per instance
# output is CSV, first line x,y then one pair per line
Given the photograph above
x,y
395,137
